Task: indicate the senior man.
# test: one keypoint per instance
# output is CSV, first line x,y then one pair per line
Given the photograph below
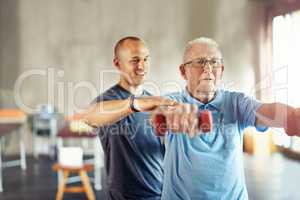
x,y
210,165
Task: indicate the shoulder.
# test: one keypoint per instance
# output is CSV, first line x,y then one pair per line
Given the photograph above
x,y
234,96
109,94
239,100
231,94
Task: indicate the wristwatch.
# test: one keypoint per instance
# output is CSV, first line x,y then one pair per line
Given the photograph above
x,y
132,105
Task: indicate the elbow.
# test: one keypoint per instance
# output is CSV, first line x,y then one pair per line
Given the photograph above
x,y
87,119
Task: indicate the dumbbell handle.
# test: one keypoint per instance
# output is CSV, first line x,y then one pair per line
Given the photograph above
x,y
205,123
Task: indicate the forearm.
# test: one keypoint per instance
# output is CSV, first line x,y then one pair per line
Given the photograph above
x,y
279,115
107,112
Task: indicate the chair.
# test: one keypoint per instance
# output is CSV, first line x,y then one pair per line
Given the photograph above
x,y
82,171
72,130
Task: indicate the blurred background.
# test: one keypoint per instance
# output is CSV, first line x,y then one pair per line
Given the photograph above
x,y
56,56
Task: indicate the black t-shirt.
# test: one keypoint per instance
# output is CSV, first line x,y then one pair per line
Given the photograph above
x,y
133,154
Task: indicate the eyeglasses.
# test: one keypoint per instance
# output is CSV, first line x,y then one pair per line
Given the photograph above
x,y
201,62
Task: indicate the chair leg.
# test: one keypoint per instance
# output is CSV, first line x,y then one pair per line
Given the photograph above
x,y
97,164
21,132
86,185
62,186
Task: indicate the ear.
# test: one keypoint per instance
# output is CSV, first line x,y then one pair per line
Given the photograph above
x,y
222,71
116,62
182,72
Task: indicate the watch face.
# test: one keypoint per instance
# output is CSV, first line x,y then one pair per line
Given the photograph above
x,y
135,105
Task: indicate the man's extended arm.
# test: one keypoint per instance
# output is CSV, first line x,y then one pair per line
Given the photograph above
x,y
279,115
111,111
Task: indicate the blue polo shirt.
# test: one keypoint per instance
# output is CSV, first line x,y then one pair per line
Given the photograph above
x,y
133,154
210,166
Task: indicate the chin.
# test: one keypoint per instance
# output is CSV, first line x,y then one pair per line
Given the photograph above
x,y
205,93
206,88
138,82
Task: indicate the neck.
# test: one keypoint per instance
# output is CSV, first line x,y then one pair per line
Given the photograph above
x,y
130,88
203,97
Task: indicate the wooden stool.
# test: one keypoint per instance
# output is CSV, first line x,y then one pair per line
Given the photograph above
x,y
82,171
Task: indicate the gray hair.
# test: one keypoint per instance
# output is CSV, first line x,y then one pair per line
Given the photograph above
x,y
202,41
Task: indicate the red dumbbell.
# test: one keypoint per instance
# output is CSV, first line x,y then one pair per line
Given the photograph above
x,y
205,123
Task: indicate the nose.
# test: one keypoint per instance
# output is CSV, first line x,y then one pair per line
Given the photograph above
x,y
207,67
141,64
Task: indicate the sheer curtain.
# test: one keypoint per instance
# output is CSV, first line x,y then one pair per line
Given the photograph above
x,y
286,68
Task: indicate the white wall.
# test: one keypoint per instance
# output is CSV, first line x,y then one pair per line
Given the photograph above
x,y
77,38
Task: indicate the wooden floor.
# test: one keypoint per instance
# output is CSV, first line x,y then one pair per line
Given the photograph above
x,y
271,178
38,182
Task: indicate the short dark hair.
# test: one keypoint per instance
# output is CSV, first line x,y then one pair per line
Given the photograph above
x,y
121,42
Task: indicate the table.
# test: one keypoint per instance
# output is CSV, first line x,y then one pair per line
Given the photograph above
x,y
12,120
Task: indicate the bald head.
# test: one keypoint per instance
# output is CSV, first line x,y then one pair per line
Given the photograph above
x,y
132,59
124,42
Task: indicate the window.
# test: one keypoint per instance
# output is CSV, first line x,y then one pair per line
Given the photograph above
x,y
286,64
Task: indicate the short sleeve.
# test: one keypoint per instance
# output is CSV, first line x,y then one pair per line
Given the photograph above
x,y
109,95
247,107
